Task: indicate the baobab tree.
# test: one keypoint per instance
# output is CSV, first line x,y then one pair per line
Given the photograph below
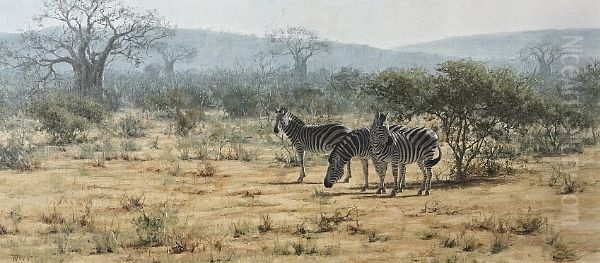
x,y
543,54
300,43
170,54
92,34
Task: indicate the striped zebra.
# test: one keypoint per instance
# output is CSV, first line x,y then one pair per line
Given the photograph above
x,y
309,138
356,143
417,145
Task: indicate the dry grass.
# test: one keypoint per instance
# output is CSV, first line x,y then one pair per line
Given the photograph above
x,y
167,209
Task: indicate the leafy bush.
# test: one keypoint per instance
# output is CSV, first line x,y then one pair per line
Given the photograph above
x,y
151,228
106,241
241,101
17,154
474,104
500,243
131,126
186,120
66,117
529,224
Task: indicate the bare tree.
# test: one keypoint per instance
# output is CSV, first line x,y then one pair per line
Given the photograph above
x,y
543,54
4,55
91,35
300,43
173,53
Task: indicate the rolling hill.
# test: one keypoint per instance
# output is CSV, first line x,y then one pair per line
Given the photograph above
x,y
229,50
506,46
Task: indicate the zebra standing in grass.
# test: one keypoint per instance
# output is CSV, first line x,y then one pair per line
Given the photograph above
x,y
309,138
418,146
356,143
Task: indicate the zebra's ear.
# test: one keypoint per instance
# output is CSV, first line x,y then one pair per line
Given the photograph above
x,y
283,110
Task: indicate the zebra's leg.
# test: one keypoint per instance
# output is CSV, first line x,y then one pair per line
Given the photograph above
x,y
381,168
428,184
365,165
402,171
424,182
395,175
302,170
347,179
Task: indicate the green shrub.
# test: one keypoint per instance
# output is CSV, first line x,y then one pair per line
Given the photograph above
x,y
185,120
151,228
133,127
11,155
66,117
106,242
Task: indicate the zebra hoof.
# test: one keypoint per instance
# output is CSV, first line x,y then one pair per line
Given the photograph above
x,y
426,193
300,180
393,193
420,192
381,191
364,188
347,180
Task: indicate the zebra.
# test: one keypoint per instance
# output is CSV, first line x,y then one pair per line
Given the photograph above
x,y
356,143
416,145
309,138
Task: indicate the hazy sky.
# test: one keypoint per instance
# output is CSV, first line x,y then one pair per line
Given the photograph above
x,y
380,23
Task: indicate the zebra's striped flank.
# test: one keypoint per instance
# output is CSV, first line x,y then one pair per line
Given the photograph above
x,y
414,145
309,138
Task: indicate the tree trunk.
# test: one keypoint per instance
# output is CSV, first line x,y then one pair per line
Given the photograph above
x,y
459,175
169,69
545,70
88,80
300,69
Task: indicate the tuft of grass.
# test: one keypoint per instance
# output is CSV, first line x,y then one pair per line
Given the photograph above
x,y
16,216
496,224
280,249
563,252
240,229
106,241
301,228
54,216
374,236
3,229
304,247
355,229
319,193
210,169
133,202
327,223
266,223
427,234
469,243
500,243
183,241
529,224
151,228
448,242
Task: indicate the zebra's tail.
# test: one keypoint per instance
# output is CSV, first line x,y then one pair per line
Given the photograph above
x,y
433,162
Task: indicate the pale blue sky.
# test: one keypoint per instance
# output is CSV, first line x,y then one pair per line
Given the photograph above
x,y
380,23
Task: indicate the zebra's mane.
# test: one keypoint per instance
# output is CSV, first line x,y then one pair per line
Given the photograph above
x,y
295,119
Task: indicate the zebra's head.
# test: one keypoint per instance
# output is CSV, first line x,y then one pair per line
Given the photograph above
x,y
380,130
335,171
281,120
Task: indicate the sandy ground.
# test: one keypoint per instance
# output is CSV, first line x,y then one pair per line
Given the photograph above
x,y
371,228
